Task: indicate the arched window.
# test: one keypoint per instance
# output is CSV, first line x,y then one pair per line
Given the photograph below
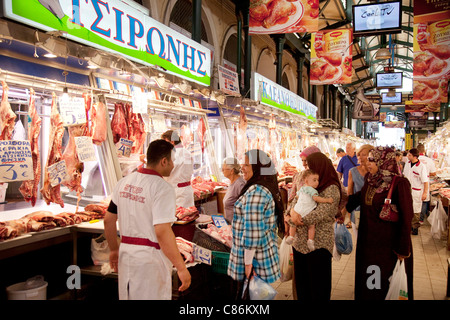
x,y
181,15
285,81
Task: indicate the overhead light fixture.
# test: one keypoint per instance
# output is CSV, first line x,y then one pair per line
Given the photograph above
x,y
184,87
382,54
161,81
99,61
55,48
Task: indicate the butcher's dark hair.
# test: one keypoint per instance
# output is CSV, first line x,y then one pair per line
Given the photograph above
x,y
157,150
414,152
171,136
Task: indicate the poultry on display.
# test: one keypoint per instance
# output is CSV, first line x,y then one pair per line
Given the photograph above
x,y
440,51
334,58
271,12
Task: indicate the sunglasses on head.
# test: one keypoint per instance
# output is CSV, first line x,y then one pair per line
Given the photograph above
x,y
371,159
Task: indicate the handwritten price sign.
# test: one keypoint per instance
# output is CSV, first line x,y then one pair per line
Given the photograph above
x,y
72,110
124,147
85,149
16,163
201,254
57,173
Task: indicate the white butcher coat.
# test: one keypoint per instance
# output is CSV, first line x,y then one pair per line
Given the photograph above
x,y
143,200
417,176
431,166
182,173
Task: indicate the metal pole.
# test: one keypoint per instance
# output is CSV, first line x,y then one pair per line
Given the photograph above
x,y
197,20
248,49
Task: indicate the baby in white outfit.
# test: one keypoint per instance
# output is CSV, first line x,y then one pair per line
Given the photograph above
x,y
308,197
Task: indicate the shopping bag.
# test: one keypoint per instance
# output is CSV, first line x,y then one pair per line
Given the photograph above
x,y
260,290
438,220
342,239
398,283
286,261
100,250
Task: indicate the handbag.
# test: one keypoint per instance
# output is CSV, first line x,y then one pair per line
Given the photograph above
x,y
389,212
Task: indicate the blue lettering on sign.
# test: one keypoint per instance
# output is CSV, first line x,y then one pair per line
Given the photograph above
x,y
98,11
172,50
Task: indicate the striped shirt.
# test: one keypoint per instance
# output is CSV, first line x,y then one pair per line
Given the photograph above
x,y
254,227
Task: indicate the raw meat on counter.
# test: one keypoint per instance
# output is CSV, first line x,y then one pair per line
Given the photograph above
x,y
445,192
288,170
223,234
45,220
97,207
187,214
186,248
53,194
201,186
29,188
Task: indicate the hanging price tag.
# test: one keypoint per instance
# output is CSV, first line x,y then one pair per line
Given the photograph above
x,y
139,102
85,149
124,147
57,173
72,110
16,163
201,254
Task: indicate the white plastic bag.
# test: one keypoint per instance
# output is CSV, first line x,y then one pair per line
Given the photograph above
x,y
286,261
261,290
100,250
398,287
438,220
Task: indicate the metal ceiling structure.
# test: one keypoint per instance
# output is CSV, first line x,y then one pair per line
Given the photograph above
x,y
336,14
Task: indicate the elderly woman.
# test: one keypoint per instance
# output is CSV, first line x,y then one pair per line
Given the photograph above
x,y
356,181
380,243
312,269
257,214
231,170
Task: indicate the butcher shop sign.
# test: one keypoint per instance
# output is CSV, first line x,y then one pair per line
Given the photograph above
x,y
16,163
274,95
117,27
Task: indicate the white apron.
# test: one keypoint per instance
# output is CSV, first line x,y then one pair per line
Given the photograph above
x,y
181,176
143,200
417,176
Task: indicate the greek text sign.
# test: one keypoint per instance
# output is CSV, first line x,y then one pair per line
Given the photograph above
x,y
115,26
16,163
272,94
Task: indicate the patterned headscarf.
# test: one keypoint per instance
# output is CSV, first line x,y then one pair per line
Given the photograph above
x,y
309,150
386,162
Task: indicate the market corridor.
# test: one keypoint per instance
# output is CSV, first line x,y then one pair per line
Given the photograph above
x,y
430,271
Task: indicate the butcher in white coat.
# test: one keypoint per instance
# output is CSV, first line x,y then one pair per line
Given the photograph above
x,y
144,204
181,175
417,174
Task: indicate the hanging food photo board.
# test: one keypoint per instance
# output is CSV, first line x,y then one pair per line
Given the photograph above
x,y
431,46
331,57
283,16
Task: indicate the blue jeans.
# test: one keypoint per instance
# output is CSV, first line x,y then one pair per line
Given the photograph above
x,y
425,210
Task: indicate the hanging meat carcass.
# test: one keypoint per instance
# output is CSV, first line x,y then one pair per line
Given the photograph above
x,y
98,123
29,188
273,137
73,165
7,116
49,193
201,130
119,125
242,135
137,132
87,107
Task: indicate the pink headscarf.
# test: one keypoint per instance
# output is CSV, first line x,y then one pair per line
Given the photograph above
x,y
310,150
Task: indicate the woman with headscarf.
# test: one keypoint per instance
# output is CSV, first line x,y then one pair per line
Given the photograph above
x,y
312,269
380,243
257,214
